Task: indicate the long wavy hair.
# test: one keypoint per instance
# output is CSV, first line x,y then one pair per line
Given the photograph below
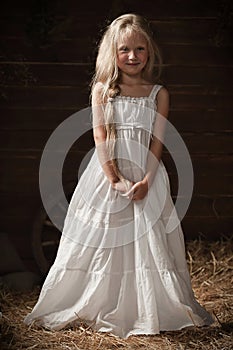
x,y
107,72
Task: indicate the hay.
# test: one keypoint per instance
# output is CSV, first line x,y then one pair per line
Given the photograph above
x,y
210,265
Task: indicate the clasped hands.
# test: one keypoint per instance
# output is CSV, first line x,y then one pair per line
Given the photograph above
x,y
134,191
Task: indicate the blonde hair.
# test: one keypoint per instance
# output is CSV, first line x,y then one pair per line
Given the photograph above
x,y
107,72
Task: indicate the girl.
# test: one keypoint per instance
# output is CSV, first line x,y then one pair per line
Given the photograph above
x,y
118,267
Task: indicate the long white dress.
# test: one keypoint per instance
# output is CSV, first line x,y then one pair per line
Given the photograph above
x,y
118,266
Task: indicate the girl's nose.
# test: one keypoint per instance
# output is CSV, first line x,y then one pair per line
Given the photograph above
x,y
132,54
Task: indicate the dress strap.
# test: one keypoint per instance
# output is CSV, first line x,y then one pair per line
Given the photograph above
x,y
154,91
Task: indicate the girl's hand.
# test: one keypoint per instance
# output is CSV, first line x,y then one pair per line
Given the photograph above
x,y
138,191
122,186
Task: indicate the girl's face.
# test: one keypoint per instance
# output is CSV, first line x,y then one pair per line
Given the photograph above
x,y
132,54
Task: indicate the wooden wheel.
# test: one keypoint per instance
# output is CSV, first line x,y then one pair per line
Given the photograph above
x,y
45,235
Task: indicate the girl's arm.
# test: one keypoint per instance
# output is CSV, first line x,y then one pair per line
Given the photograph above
x,y
99,133
156,146
140,189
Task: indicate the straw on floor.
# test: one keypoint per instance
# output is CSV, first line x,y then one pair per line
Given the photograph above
x,y
211,269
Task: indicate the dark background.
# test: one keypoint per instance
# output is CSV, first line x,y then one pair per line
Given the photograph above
x,y
47,58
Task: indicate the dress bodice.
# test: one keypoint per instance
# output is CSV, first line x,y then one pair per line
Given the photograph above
x,y
136,112
134,119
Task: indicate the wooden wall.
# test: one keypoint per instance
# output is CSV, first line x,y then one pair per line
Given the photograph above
x,y
47,59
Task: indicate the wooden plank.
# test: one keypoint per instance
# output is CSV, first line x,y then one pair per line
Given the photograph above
x,y
35,139
202,120
40,73
198,89
28,182
184,30
197,101
66,26
24,164
208,143
203,206
26,170
221,165
205,165
207,228
32,118
12,26
224,206
175,8
214,186
16,7
48,119
209,76
166,30
155,9
78,97
71,75
196,143
67,51
176,52
58,97
147,8
213,76
183,120
212,173
23,206
16,225
55,8
206,78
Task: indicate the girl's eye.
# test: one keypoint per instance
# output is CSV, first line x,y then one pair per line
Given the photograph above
x,y
141,48
124,49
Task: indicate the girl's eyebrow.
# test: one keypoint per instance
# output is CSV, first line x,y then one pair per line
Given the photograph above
x,y
122,46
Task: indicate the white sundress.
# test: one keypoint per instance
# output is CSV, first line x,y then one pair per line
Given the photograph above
x,y
118,267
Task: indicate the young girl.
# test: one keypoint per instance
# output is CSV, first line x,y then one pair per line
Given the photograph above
x,y
118,268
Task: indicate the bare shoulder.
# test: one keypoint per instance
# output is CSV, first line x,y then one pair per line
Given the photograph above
x,y
163,101
163,94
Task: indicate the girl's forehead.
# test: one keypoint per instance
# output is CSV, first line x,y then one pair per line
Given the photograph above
x,y
131,37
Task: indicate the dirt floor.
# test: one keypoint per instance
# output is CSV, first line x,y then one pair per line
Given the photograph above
x,y
211,269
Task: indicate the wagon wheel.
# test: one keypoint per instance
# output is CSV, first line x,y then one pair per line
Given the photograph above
x,y
45,235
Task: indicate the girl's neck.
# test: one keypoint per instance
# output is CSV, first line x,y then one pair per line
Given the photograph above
x,y
132,80
134,86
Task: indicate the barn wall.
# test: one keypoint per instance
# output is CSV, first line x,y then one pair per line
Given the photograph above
x,y
47,59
